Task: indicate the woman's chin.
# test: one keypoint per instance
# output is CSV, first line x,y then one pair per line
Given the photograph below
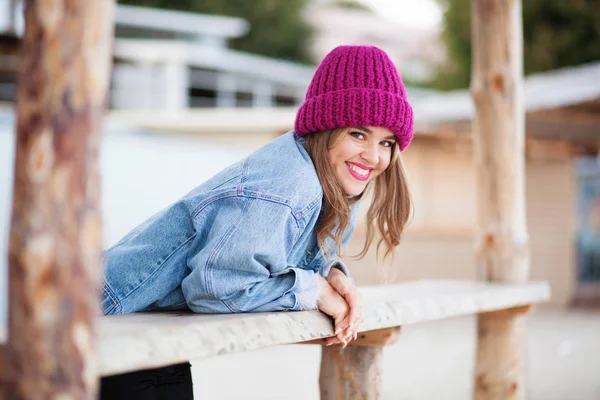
x,y
354,190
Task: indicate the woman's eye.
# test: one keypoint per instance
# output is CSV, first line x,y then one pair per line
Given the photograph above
x,y
357,135
387,143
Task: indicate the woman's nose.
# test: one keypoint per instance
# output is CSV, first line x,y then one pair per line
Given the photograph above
x,y
371,154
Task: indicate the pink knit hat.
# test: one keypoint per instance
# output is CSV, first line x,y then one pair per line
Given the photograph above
x,y
356,86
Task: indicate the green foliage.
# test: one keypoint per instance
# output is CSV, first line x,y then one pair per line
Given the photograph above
x,y
556,33
353,4
276,27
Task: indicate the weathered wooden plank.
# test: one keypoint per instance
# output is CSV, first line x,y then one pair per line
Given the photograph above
x,y
351,373
374,338
145,340
54,252
508,312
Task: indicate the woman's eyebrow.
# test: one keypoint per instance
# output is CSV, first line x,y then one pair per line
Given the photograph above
x,y
362,128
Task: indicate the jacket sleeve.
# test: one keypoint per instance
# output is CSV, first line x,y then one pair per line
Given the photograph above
x,y
241,262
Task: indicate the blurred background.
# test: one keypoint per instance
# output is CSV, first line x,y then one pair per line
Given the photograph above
x,y
199,84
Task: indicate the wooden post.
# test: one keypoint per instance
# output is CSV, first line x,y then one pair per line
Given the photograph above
x,y
356,371
351,373
55,236
501,240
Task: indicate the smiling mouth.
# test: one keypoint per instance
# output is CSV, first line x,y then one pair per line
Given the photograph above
x,y
357,172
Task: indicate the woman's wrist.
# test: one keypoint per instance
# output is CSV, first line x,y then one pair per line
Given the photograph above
x,y
324,286
309,297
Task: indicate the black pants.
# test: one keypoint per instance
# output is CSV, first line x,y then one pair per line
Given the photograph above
x,y
169,383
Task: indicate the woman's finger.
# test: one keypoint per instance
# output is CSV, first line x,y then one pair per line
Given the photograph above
x,y
341,284
348,339
357,320
351,322
340,327
349,292
332,340
340,339
351,299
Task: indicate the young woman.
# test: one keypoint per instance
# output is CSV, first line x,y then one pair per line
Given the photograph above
x,y
265,234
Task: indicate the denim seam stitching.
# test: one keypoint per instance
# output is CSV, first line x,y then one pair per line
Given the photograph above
x,y
240,192
111,295
245,195
200,207
109,308
245,169
219,246
159,267
217,250
314,202
275,200
220,185
230,305
269,197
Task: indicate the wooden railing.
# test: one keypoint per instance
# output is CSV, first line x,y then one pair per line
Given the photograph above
x,y
138,341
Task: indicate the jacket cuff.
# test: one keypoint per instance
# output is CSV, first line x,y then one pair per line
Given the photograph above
x,y
306,289
339,264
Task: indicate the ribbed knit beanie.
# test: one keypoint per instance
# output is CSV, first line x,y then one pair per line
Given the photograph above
x,y
356,86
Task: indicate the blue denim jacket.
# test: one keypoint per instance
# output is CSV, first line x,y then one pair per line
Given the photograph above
x,y
245,240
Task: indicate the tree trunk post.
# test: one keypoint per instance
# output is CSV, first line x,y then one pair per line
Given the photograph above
x,y
356,371
55,235
351,373
502,243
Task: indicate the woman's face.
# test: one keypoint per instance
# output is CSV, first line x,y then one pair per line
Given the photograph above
x,y
361,155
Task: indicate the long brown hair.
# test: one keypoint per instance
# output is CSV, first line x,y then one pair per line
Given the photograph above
x,y
390,207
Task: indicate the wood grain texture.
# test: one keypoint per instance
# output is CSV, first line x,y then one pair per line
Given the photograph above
x,y
136,341
499,358
3,372
375,338
499,141
55,234
502,240
351,373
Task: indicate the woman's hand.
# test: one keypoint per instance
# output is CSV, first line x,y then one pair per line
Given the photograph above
x,y
342,285
333,304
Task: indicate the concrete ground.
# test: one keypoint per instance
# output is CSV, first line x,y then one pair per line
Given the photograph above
x,y
432,361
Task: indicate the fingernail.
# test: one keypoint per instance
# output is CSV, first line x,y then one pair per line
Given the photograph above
x,y
328,344
337,331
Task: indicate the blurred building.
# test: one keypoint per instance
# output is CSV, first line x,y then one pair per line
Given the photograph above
x,y
175,60
587,170
415,51
10,24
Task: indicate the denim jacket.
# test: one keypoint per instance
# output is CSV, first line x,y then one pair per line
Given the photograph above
x,y
245,240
